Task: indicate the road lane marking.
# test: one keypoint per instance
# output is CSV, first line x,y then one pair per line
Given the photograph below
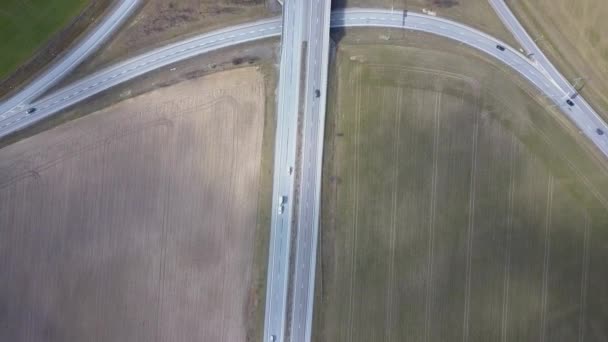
x,y
333,20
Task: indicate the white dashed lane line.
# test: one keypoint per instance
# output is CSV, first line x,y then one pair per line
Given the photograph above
x,y
138,66
218,40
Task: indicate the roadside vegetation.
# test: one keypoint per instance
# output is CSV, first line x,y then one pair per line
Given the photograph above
x,y
34,32
475,13
457,205
160,22
573,35
258,54
26,25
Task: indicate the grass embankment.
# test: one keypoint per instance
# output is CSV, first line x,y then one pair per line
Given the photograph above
x,y
26,25
456,206
573,35
477,13
255,326
160,22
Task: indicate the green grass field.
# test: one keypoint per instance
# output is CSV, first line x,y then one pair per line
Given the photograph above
x,y
455,207
26,24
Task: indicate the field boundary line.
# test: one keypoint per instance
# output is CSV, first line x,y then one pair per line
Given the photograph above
x,y
471,228
573,167
233,173
33,164
435,72
562,121
430,244
393,235
543,321
584,279
561,156
507,269
163,259
355,206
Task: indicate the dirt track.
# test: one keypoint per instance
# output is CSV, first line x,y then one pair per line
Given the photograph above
x,y
136,223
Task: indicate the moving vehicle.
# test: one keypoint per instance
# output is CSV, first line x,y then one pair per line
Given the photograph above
x,y
570,103
31,110
599,131
317,93
282,202
500,47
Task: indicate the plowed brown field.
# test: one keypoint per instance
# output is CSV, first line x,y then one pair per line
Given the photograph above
x,y
136,223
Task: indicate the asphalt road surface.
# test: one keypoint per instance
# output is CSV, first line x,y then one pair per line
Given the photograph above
x,y
589,120
537,71
284,164
83,48
131,68
581,114
553,87
317,24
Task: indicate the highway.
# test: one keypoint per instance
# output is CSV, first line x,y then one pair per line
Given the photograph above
x,y
317,24
84,47
301,26
284,163
528,44
136,66
581,114
567,90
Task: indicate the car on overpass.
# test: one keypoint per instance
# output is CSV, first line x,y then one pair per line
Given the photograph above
x,y
282,202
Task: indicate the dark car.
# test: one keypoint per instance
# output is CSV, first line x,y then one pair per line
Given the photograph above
x,y
31,110
570,103
317,93
500,47
599,131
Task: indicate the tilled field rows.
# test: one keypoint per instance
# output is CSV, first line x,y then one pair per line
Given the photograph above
x,y
136,223
447,227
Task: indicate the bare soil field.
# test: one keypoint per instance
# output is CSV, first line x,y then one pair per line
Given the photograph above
x,y
261,55
476,13
140,222
573,35
160,22
457,206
